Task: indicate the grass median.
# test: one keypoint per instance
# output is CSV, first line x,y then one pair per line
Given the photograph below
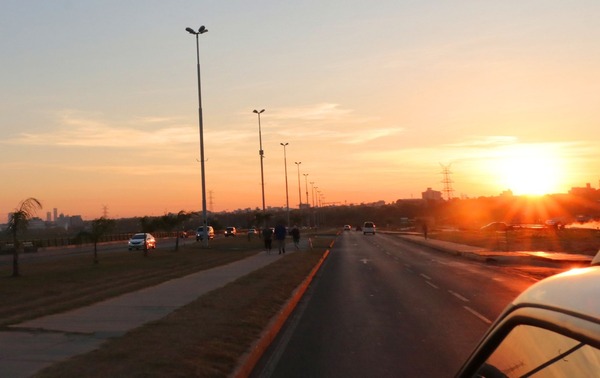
x,y
204,338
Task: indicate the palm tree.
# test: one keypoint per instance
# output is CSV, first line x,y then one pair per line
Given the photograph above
x,y
17,222
100,227
173,221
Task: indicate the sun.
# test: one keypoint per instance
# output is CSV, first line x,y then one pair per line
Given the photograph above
x,y
530,169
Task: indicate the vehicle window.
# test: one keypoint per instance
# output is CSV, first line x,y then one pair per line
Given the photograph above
x,y
529,351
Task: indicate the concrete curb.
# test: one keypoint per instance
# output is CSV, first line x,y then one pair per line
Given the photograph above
x,y
257,350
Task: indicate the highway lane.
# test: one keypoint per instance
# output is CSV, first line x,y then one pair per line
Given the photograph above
x,y
87,249
383,307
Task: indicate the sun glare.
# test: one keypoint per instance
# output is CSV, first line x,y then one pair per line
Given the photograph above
x,y
530,170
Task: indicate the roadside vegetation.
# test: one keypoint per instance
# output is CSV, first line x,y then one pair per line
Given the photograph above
x,y
568,240
60,284
205,338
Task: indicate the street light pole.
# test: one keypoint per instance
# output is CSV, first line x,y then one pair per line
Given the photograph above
x,y
262,174
299,193
201,30
287,197
306,186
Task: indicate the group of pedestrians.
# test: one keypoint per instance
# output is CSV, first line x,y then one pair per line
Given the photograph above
x,y
280,233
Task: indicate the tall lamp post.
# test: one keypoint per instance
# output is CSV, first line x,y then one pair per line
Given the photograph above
x,y
299,193
306,186
312,192
201,30
287,197
262,174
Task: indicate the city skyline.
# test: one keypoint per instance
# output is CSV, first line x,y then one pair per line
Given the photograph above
x,y
372,100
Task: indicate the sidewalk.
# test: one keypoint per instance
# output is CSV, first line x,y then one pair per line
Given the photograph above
x,y
33,345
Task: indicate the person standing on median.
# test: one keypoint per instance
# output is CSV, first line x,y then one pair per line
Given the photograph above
x,y
296,236
280,233
268,239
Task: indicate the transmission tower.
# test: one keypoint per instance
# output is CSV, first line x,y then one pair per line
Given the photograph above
x,y
210,201
447,181
105,211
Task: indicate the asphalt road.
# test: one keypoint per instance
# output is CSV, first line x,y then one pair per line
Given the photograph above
x,y
88,249
382,307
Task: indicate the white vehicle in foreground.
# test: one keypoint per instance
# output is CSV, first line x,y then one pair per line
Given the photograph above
x,y
551,330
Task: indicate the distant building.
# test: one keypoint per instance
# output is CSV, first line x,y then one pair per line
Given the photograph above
x,y
432,195
588,191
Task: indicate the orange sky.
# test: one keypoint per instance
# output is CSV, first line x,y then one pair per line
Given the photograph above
x,y
372,101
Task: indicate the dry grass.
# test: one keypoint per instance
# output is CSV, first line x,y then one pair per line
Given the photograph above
x,y
70,282
205,338
580,241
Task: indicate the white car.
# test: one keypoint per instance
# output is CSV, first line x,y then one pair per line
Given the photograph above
x,y
142,240
347,227
551,330
200,233
368,228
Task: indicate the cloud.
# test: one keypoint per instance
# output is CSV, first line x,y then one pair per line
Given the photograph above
x,y
485,141
76,129
317,112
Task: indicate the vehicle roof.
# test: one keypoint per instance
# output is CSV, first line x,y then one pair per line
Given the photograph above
x,y
574,291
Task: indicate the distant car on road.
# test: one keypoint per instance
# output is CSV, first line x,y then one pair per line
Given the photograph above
x,y
368,228
347,227
200,233
230,231
551,330
496,226
252,231
140,240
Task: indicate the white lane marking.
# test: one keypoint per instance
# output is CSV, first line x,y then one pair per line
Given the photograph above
x,y
387,253
458,296
425,276
483,318
432,285
364,261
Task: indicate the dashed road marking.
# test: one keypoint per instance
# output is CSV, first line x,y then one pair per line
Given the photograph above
x,y
458,296
481,317
425,276
431,284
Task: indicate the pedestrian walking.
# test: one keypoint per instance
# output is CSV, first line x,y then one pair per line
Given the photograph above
x,y
268,239
280,233
296,237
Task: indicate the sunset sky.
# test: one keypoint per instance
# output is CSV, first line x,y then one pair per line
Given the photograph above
x,y
99,106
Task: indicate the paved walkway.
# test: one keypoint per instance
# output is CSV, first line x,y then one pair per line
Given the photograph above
x,y
36,344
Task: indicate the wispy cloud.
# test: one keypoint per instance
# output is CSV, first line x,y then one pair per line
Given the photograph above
x,y
317,112
76,129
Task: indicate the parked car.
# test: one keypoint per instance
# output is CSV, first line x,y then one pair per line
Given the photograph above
x,y
230,231
200,233
368,228
496,226
551,330
252,231
138,241
347,227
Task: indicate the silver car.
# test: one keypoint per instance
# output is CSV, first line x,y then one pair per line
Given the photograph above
x,y
141,241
